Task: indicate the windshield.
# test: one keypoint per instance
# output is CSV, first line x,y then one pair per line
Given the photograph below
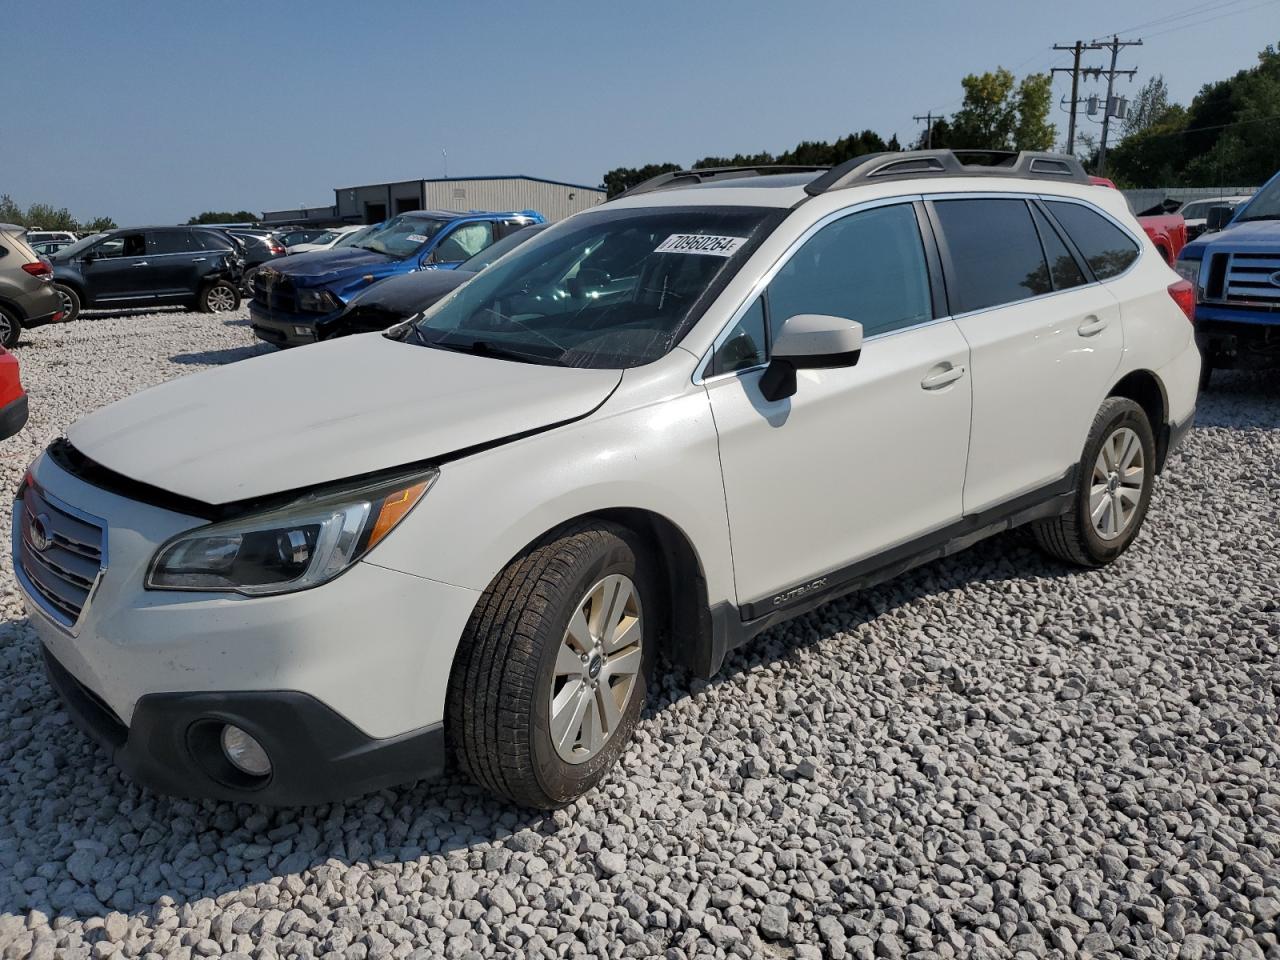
x,y
355,236
80,245
1265,205
327,237
607,289
503,246
401,236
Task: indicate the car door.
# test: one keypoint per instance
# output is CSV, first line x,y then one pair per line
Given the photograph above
x,y
1045,342
116,269
171,272
862,458
461,243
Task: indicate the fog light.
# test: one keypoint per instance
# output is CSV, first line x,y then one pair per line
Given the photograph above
x,y
245,753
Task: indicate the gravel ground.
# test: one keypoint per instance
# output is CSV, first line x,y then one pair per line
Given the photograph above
x,y
993,756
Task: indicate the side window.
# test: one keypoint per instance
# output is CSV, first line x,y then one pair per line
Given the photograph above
x,y
122,245
1063,269
745,347
868,266
464,241
995,253
206,240
1108,250
168,241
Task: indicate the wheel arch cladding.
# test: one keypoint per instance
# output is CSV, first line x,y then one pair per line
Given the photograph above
x,y
1145,389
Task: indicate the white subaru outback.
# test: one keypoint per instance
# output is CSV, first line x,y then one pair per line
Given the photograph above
x,y
660,427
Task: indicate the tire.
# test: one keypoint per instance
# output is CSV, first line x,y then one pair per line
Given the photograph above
x,y
70,302
10,329
246,281
510,665
221,296
1075,537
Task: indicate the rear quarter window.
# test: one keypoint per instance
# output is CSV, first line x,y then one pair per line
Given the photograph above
x,y
1107,249
995,253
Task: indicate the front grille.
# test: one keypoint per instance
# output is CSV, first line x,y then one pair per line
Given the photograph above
x,y
275,291
59,555
1249,279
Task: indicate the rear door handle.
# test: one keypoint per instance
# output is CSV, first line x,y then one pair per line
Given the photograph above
x,y
1092,326
142,264
942,377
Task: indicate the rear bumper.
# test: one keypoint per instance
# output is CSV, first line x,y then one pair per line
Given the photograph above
x,y
13,416
283,329
172,744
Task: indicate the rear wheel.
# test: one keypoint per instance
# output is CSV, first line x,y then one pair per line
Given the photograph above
x,y
10,329
1116,471
550,676
69,302
219,297
246,282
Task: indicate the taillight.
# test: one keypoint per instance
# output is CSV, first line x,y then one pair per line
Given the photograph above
x,y
39,269
1184,295
277,250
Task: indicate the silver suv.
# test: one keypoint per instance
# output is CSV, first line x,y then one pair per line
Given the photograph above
x,y
27,297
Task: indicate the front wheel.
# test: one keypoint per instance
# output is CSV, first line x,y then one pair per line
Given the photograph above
x,y
550,676
68,302
219,297
1116,474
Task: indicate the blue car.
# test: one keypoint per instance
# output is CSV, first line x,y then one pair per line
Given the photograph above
x,y
293,294
1236,273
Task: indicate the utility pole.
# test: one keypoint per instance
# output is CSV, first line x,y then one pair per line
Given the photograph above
x,y
1076,49
1114,45
928,118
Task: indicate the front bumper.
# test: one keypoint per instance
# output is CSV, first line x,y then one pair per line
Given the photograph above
x,y
339,675
172,745
1239,339
285,329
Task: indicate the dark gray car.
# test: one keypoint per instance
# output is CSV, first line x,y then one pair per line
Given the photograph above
x,y
27,297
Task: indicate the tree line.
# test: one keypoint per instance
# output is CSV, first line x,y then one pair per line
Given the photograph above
x,y
43,216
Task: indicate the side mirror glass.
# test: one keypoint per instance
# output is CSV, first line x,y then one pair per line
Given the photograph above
x,y
809,341
1218,217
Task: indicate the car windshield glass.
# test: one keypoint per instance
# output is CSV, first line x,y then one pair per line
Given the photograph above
x,y
607,289
401,236
80,245
355,236
496,250
1265,205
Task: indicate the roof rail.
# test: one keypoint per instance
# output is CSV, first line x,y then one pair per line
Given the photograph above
x,y
683,178
913,164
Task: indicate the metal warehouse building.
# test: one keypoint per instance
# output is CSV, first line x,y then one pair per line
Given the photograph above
x,y
377,201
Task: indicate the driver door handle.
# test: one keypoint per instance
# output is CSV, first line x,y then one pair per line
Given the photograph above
x,y
1092,326
142,264
943,376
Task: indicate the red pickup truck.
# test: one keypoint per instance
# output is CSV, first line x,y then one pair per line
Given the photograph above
x,y
1168,231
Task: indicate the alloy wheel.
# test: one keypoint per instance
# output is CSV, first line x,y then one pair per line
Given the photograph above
x,y
221,298
64,302
597,667
1115,491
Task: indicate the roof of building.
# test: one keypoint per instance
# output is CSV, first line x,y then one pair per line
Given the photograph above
x,y
513,176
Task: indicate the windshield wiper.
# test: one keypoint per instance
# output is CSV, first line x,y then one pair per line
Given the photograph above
x,y
408,328
487,348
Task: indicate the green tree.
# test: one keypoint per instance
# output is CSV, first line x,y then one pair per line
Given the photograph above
x,y
997,115
10,212
98,225
42,216
1149,108
624,178
224,216
1035,100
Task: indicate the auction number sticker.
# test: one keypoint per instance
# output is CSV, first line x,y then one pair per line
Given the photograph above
x,y
418,238
700,243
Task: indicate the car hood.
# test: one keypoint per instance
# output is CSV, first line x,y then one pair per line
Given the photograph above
x,y
1261,235
412,292
328,412
325,266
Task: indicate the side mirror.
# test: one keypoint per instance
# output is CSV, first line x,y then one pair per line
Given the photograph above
x,y
1218,217
89,258
809,341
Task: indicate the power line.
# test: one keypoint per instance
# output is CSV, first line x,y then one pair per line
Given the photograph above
x,y
1216,126
1076,49
929,119
1195,11
1115,46
1221,16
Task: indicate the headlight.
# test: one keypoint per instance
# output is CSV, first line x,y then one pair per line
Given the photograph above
x,y
318,301
1189,270
301,545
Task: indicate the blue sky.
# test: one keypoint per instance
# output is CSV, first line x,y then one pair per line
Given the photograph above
x,y
154,111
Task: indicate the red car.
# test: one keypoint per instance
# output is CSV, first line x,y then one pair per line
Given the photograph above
x,y
1168,231
13,399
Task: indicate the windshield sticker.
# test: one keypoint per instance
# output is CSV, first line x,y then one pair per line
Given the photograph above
x,y
700,243
417,238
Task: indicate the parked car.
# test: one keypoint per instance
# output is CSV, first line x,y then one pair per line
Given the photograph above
x,y
46,248
294,294
1163,225
13,399
355,237
45,236
397,298
326,240
1235,266
256,248
663,425
291,238
27,296
143,266
1196,212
